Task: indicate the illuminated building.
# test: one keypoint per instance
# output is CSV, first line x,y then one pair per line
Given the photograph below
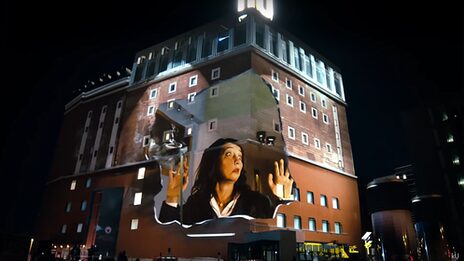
x,y
103,181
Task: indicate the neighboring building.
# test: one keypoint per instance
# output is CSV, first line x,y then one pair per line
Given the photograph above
x,y
104,182
435,134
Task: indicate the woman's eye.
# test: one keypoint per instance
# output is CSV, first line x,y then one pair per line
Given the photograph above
x,y
228,154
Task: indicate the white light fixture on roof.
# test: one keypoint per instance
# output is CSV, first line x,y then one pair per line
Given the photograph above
x,y
265,7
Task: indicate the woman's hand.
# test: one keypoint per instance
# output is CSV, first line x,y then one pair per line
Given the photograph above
x,y
176,181
281,183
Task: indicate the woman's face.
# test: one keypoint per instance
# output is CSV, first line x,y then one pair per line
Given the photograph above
x,y
231,162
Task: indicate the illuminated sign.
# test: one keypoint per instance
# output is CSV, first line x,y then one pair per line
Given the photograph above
x,y
265,7
353,249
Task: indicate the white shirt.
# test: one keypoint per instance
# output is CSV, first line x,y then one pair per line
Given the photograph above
x,y
227,210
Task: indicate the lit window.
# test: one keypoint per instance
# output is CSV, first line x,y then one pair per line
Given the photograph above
x,y
151,110
289,100
83,205
450,138
301,90
216,73
212,125
456,160
338,228
191,97
288,83
189,131
302,107
310,197
79,228
141,173
314,113
63,229
325,118
291,133
138,198
171,103
335,203
73,185
134,224
214,92
296,194
317,143
275,76
172,87
323,200
444,117
193,81
325,226
280,220
153,93
68,207
297,222
88,182
312,224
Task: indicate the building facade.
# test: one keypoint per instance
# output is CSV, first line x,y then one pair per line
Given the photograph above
x,y
104,185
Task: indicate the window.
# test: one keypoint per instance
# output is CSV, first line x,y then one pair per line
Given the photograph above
x,y
83,205
324,103
137,198
325,226
320,72
450,138
338,228
335,203
79,228
240,34
289,100
275,76
312,224
304,138
63,229
329,147
277,126
313,97
171,103
302,107
151,110
193,81
73,185
296,194
297,222
288,83
301,90
276,93
212,125
214,92
141,173
223,41
281,220
146,141
172,87
291,133
317,143
314,113
323,200
68,207
310,197
456,161
134,224
88,182
189,131
325,118
216,73
191,97
153,93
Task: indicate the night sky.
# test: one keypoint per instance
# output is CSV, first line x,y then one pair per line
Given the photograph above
x,y
391,54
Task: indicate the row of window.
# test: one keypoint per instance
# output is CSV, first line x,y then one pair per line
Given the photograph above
x,y
322,199
195,48
88,183
305,139
312,226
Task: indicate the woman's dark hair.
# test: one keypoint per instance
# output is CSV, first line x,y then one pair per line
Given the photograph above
x,y
208,172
